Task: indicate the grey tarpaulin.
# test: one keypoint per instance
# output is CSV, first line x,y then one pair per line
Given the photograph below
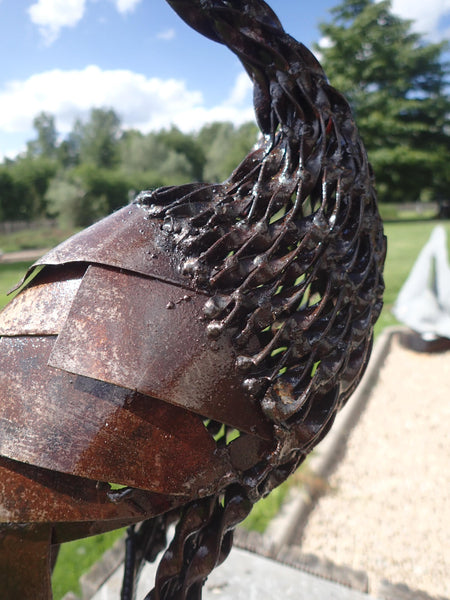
x,y
423,303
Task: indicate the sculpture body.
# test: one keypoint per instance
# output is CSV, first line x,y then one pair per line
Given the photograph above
x,y
197,344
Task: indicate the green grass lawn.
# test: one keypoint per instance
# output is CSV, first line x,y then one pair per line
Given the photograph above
x,y
10,275
76,558
31,239
405,240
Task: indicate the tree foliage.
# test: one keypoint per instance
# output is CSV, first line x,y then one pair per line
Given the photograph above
x,y
184,145
45,143
396,84
98,138
99,167
156,154
394,81
224,146
23,186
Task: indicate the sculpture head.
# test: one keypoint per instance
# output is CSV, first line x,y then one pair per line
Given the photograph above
x,y
196,345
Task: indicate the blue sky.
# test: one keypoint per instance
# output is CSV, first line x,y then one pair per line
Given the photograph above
x,y
138,57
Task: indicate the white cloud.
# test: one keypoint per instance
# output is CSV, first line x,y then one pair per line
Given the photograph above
x,y
241,91
426,16
143,103
11,154
52,15
124,6
325,42
166,35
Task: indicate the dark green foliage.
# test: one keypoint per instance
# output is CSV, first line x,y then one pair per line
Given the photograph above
x,y
23,185
86,193
99,167
225,146
9,196
98,138
68,152
160,158
45,144
184,145
397,86
395,82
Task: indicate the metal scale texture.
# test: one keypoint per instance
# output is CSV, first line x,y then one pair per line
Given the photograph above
x,y
194,346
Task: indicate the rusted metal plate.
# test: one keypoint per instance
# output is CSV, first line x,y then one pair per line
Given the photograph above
x,y
127,239
93,429
30,494
42,307
25,558
69,531
149,335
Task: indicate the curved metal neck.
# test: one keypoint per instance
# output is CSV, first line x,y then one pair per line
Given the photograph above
x,y
285,74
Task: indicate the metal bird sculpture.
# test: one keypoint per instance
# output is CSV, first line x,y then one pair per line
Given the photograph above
x,y
193,347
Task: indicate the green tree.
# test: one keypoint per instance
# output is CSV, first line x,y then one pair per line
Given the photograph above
x,y
98,138
23,187
225,146
171,156
68,202
396,84
68,152
45,145
140,153
11,207
81,195
185,145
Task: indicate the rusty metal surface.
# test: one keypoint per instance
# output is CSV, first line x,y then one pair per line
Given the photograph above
x,y
127,239
42,307
150,336
25,559
93,429
29,494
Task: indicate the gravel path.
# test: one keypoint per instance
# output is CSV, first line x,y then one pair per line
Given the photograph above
x,y
21,256
388,511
